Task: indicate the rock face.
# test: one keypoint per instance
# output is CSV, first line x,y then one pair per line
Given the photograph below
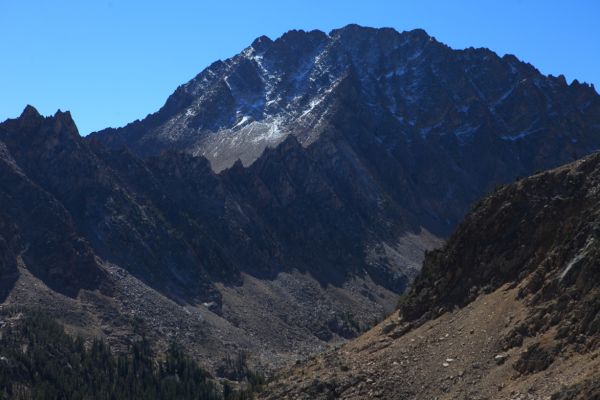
x,y
36,227
541,233
512,299
69,206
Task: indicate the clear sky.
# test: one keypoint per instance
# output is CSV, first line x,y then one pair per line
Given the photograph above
x,y
112,61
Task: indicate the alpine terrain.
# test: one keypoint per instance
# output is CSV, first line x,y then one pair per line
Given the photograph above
x,y
280,202
509,308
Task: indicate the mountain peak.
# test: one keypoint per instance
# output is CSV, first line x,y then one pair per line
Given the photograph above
x,y
64,121
303,39
31,124
29,112
355,29
351,28
261,43
63,116
415,87
419,33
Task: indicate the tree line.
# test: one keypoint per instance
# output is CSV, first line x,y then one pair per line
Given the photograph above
x,y
39,361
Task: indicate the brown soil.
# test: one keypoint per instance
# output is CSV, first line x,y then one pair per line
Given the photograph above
x,y
456,356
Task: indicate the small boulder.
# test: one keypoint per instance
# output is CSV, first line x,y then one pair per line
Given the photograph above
x,y
500,358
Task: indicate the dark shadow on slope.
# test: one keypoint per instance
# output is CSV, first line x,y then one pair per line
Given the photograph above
x,y
8,257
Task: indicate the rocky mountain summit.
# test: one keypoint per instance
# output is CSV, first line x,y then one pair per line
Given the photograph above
x,y
509,308
430,127
407,89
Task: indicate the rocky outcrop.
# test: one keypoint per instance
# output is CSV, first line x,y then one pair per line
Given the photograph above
x,y
540,233
82,210
36,227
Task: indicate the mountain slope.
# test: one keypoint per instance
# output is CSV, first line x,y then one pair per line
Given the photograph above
x,y
508,308
424,127
39,360
63,172
360,149
107,240
37,227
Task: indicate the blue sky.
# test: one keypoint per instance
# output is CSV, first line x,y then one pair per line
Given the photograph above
x,y
112,61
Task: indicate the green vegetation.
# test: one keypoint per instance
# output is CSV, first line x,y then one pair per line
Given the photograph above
x,y
38,360
236,369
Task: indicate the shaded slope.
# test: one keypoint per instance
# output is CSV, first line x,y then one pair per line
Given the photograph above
x,y
41,361
541,231
508,308
95,213
288,235
36,226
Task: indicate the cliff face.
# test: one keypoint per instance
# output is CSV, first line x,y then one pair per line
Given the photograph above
x,y
509,307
